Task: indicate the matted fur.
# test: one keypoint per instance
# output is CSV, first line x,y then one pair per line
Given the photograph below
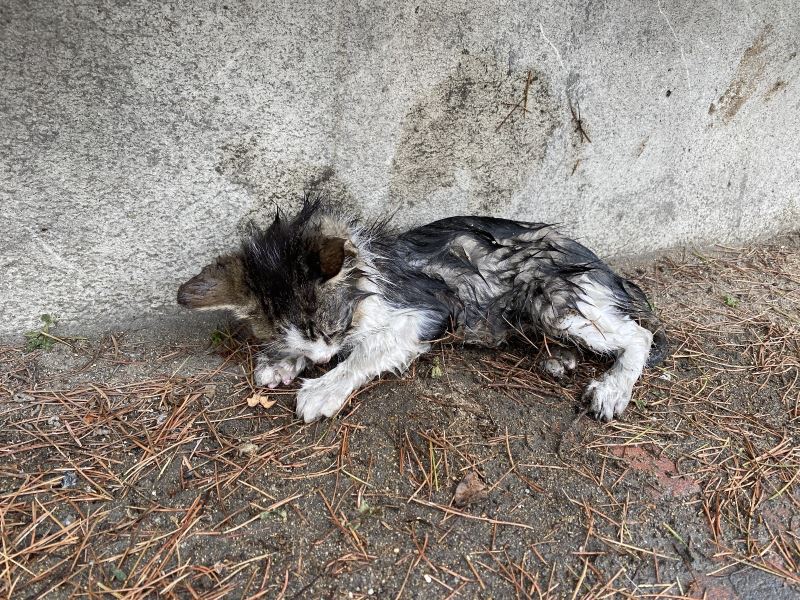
x,y
319,284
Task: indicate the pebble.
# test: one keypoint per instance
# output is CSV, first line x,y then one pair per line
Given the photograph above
x,y
69,480
248,448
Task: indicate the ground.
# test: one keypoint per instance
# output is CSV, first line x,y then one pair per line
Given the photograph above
x,y
132,466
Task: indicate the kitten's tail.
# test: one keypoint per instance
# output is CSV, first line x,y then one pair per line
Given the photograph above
x,y
660,348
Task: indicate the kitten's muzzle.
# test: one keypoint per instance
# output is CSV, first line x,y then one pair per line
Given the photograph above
x,y
194,293
321,358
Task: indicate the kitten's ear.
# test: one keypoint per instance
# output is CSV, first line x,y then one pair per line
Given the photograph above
x,y
332,254
219,285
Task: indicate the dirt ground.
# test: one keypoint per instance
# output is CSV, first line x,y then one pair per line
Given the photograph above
x,y
134,468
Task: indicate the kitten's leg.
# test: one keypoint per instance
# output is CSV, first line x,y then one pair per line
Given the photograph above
x,y
271,372
390,346
610,394
603,329
324,396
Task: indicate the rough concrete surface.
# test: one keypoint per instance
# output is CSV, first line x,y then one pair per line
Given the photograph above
x,y
136,138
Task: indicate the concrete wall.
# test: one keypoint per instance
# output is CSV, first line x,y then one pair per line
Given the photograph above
x,y
136,137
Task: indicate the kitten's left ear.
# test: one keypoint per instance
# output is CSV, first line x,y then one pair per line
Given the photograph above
x,y
332,254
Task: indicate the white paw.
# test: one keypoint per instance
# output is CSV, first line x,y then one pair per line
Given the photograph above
x,y
317,398
282,372
607,398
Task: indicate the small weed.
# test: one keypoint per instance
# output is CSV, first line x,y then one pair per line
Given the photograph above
x,y
218,337
41,339
281,515
367,510
226,341
730,301
436,369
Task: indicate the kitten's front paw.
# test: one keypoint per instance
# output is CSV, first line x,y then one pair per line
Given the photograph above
x,y
606,398
282,372
317,398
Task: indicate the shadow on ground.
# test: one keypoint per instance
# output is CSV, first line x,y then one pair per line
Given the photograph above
x,y
132,468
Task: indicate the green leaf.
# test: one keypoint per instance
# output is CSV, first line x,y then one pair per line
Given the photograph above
x,y
730,301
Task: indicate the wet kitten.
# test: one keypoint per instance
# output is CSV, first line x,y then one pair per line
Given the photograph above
x,y
319,285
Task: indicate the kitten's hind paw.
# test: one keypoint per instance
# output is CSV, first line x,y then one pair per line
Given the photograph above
x,y
559,362
606,398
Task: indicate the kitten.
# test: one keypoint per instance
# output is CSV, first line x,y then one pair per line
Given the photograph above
x,y
319,285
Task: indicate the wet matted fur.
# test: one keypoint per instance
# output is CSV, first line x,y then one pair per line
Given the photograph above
x,y
320,284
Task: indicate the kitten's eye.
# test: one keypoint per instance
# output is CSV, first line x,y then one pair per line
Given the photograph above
x,y
332,334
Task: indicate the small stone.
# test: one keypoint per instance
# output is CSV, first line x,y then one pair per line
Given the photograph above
x,y
471,489
23,397
69,480
248,448
427,578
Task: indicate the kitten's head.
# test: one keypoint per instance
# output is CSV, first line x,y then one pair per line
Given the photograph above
x,y
294,282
